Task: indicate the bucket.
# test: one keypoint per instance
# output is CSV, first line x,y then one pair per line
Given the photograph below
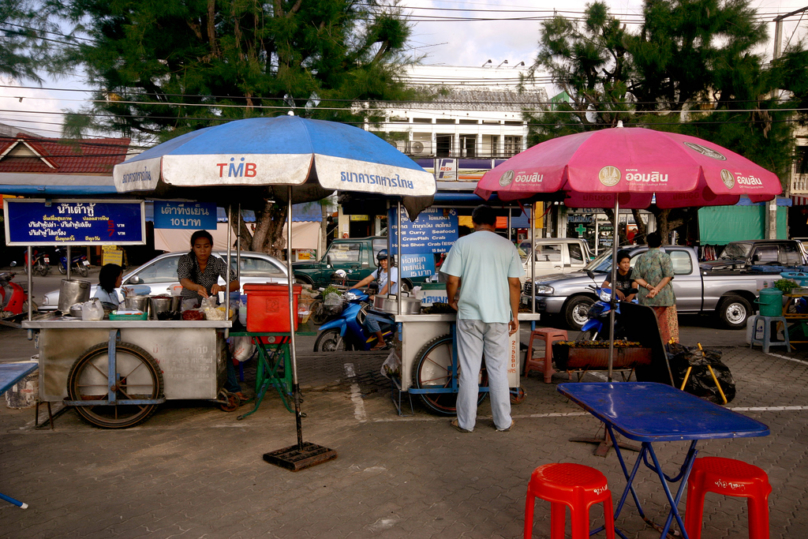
x,y
71,292
771,302
23,393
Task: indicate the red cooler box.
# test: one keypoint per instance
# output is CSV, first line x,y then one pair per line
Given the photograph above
x,y
268,307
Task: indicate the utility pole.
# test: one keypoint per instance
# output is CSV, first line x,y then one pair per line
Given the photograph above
x,y
771,206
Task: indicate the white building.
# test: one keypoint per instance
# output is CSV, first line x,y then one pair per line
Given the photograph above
x,y
477,116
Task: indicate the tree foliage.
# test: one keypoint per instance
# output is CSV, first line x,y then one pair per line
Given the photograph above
x,y
163,68
690,68
24,41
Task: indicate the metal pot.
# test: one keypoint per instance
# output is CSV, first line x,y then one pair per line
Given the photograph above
x,y
75,310
73,291
389,304
160,304
137,303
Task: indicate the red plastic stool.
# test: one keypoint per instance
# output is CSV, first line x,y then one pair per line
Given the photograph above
x,y
575,486
549,336
731,478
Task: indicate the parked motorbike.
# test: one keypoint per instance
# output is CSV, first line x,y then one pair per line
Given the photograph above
x,y
596,327
13,297
347,331
78,263
41,263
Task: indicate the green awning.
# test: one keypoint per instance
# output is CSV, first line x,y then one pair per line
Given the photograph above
x,y
719,225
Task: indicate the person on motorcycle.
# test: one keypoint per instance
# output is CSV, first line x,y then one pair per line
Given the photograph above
x,y
372,321
625,283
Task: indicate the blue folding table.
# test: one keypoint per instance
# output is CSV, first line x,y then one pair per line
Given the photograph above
x,y
648,412
10,374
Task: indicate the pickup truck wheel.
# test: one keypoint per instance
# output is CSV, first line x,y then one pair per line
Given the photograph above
x,y
303,280
576,310
733,312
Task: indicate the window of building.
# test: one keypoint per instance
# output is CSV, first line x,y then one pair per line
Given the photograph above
x,y
443,145
513,145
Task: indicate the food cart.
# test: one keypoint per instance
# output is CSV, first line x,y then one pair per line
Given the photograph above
x,y
115,372
427,349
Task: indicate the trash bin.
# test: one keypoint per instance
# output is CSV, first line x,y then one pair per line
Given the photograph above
x,y
771,302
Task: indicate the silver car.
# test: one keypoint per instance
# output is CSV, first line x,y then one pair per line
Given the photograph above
x,y
160,274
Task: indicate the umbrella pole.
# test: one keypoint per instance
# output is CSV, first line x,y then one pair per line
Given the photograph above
x,y
390,262
302,455
613,282
292,315
229,261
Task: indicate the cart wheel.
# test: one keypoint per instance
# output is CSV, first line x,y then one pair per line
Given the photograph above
x,y
518,395
139,376
434,369
232,404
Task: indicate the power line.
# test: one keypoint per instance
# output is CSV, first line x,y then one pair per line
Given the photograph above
x,y
388,104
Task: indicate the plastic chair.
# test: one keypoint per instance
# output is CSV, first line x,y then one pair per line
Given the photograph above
x,y
731,478
549,336
572,485
766,341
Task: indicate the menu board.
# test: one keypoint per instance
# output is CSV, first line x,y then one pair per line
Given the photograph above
x,y
185,215
73,222
434,231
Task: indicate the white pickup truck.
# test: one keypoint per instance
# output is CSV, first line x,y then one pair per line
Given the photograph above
x,y
554,255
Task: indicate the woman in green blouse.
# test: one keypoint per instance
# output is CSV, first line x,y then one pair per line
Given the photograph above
x,y
653,274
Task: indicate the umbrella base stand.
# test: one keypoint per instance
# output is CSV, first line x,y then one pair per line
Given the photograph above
x,y
298,457
605,443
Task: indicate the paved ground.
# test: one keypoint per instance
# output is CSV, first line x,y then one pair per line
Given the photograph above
x,y
194,471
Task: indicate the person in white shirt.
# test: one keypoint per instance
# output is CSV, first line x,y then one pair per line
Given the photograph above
x,y
381,274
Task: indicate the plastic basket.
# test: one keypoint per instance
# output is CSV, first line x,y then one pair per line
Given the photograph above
x,y
142,316
801,278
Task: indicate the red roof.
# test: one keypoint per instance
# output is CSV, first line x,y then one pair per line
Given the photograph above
x,y
84,156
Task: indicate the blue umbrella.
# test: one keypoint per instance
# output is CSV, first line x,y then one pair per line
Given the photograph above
x,y
285,158
270,154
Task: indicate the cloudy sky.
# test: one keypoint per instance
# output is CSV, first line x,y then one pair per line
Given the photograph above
x,y
444,30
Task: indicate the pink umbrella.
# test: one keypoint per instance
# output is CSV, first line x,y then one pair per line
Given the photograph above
x,y
628,167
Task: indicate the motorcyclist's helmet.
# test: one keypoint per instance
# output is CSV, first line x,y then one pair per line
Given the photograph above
x,y
382,255
341,274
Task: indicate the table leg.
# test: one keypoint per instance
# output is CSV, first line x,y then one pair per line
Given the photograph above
x,y
266,375
629,477
684,473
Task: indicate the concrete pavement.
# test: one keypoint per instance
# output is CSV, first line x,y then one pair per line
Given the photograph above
x,y
194,471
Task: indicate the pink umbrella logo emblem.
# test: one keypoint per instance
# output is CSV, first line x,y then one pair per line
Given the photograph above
x,y
506,178
609,176
728,178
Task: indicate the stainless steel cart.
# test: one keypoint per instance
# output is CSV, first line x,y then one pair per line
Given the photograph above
x,y
116,373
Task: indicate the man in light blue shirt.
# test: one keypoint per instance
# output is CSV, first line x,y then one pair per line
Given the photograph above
x,y
486,268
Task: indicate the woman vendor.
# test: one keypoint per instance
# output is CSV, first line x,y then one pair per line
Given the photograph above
x,y
109,280
199,273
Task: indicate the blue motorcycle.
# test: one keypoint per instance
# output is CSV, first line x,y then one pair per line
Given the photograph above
x,y
596,328
346,331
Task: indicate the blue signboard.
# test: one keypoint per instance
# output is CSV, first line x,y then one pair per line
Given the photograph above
x,y
434,231
195,215
417,265
70,222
